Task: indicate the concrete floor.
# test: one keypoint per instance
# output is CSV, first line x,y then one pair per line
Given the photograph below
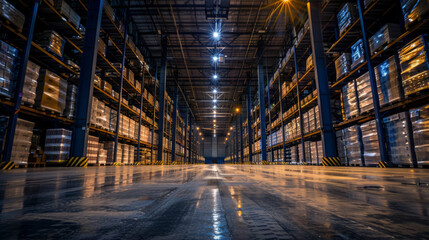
x,y
214,202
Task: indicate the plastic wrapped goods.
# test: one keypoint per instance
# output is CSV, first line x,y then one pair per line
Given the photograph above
x,y
30,83
365,93
347,16
342,65
11,14
396,139
357,55
349,100
102,154
101,47
70,101
414,10
370,143
8,63
22,142
351,145
92,149
387,78
57,145
51,92
420,122
52,41
309,62
64,9
384,36
413,59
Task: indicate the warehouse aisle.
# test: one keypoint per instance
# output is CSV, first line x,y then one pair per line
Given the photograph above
x,y
214,202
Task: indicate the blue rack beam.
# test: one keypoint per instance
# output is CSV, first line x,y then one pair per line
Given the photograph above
x,y
322,83
86,80
241,138
298,97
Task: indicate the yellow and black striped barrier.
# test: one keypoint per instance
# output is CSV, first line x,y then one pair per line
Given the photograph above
x,y
265,163
138,163
7,165
382,164
331,161
116,164
158,163
77,162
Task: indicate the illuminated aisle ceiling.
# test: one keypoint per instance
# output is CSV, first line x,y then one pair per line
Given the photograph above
x,y
210,67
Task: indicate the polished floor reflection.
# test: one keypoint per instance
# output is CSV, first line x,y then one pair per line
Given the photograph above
x,y
214,202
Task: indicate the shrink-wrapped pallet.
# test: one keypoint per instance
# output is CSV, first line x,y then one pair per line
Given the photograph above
x,y
346,17
64,9
349,100
387,34
420,122
12,15
398,149
102,154
364,93
8,64
70,101
351,144
51,92
414,11
370,143
342,65
57,145
52,41
92,149
387,78
30,83
22,142
357,54
413,59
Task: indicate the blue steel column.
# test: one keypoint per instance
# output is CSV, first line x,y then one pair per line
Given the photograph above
x,y
154,113
249,119
86,80
162,87
237,149
20,83
269,120
186,135
190,140
375,99
261,87
298,97
173,147
140,115
281,119
241,138
322,84
121,86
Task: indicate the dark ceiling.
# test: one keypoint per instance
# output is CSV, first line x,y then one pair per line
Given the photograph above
x,y
189,25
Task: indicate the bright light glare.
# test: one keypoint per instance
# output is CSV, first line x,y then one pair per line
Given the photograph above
x,y
216,34
215,76
215,58
214,91
214,100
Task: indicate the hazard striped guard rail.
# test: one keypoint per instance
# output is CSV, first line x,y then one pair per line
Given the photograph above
x,y
116,164
383,165
77,162
7,165
158,163
331,161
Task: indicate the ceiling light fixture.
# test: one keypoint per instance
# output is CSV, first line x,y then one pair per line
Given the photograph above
x,y
215,76
214,91
216,34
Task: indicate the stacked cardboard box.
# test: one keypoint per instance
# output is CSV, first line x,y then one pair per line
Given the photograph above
x,y
350,100
414,10
387,34
51,92
92,149
352,146
70,101
64,9
357,55
102,155
365,93
342,65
